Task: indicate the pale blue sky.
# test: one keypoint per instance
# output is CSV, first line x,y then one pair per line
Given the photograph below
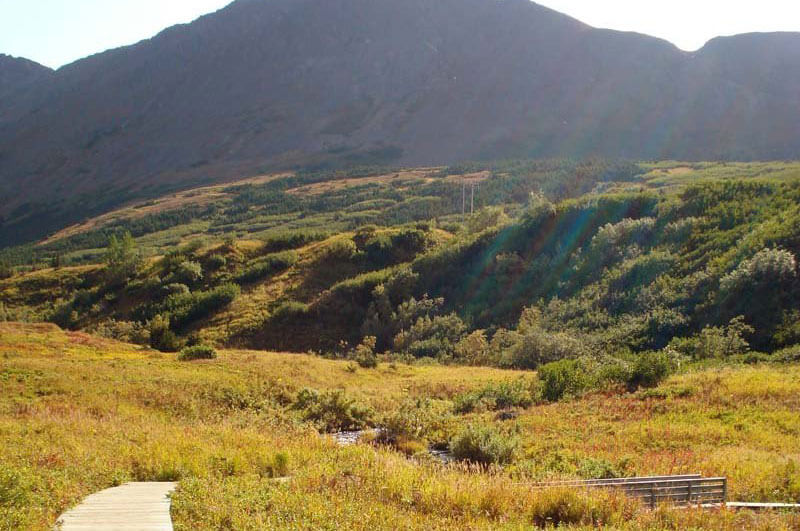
x,y
57,32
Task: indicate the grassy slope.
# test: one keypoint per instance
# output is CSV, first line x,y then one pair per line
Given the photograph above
x,y
78,414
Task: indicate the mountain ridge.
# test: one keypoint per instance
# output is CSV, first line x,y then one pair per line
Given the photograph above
x,y
286,83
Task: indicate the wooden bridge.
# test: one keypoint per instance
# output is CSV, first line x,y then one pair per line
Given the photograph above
x,y
686,490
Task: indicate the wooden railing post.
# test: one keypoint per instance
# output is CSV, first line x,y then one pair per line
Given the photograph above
x,y
724,491
652,496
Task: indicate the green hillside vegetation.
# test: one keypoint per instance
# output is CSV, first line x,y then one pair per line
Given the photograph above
x,y
241,435
588,261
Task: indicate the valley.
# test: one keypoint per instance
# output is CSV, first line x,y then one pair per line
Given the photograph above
x,y
380,264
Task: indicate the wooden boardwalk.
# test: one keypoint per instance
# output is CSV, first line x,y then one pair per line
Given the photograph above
x,y
131,507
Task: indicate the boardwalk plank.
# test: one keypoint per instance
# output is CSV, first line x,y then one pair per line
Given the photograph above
x,y
130,507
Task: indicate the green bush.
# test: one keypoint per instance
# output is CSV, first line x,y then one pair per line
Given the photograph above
x,y
292,240
186,272
716,342
537,347
649,370
431,337
562,378
364,353
485,445
275,466
198,352
215,262
185,308
591,468
290,310
267,267
176,289
161,336
332,411
788,355
417,420
125,331
503,395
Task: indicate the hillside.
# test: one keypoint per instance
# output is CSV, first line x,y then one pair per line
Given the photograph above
x,y
240,435
559,260
17,74
268,85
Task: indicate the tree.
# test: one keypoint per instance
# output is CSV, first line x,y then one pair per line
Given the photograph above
x,y
122,258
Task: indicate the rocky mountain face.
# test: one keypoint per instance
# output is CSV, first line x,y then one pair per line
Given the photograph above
x,y
271,84
18,74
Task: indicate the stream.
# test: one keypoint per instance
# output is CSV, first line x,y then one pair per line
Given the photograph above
x,y
349,438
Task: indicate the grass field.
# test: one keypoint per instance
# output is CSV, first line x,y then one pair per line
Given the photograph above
x,y
79,414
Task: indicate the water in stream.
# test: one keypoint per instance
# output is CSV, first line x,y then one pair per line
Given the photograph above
x,y
349,438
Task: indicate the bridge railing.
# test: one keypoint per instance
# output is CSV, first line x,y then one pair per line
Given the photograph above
x,y
690,489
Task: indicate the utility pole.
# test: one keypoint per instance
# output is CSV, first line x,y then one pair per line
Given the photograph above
x,y
463,199
472,201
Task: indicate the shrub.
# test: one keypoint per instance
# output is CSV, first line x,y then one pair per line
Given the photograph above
x,y
649,370
126,331
177,289
537,347
161,336
291,240
364,353
215,262
788,355
276,466
290,310
473,349
267,267
612,238
716,342
591,468
484,445
187,308
416,420
188,273
502,395
340,251
760,289
431,337
561,378
198,352
332,411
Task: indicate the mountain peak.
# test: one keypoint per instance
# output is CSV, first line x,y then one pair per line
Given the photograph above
x,y
271,84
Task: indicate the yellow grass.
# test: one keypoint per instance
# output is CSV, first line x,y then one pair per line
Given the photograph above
x,y
79,414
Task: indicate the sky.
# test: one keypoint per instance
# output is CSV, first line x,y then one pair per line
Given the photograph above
x,y
58,32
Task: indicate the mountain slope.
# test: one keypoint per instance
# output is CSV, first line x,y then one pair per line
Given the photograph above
x,y
17,72
277,83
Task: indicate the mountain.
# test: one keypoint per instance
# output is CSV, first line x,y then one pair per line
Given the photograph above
x,y
269,84
17,74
